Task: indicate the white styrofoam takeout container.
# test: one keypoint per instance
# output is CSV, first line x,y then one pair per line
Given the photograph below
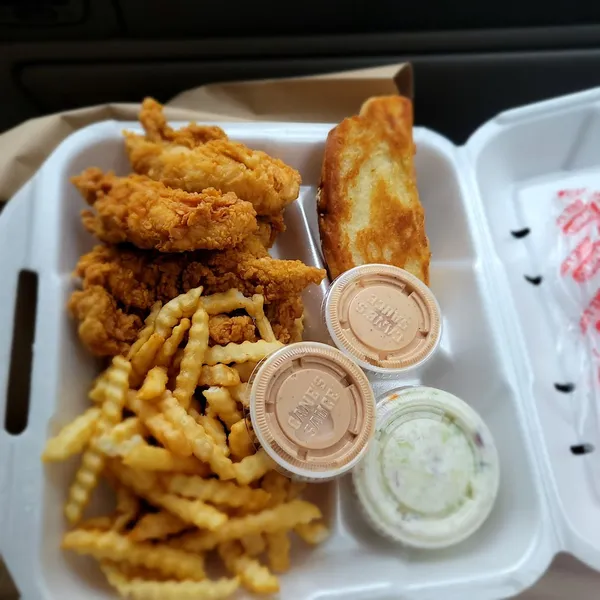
x,y
497,353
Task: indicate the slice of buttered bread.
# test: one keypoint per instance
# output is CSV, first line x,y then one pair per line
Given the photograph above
x,y
369,209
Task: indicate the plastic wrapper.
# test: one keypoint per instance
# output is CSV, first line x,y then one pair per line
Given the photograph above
x,y
570,255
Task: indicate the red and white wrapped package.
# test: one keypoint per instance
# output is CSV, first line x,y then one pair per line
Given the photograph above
x,y
572,277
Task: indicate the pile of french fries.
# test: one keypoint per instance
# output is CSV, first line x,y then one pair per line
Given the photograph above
x,y
187,476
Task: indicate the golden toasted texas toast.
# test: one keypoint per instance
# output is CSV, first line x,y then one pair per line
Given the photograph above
x,y
369,209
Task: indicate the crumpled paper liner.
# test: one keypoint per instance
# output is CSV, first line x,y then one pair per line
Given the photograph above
x,y
325,98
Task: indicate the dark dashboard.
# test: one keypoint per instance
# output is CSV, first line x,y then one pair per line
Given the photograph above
x,y
471,59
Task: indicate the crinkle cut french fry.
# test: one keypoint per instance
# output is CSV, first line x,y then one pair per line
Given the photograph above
x,y
115,392
115,546
221,404
170,437
262,323
143,359
146,331
153,458
240,353
136,572
193,357
240,393
214,428
176,309
154,384
251,432
312,533
277,485
171,345
116,576
176,363
96,394
240,442
233,299
128,508
245,371
295,489
252,467
283,517
278,551
225,302
92,461
126,429
225,493
157,526
162,429
196,512
140,482
253,576
254,544
104,523
195,408
218,375
202,445
120,449
146,484
121,437
143,589
72,438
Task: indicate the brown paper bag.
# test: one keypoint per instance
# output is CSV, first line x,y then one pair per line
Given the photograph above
x,y
322,99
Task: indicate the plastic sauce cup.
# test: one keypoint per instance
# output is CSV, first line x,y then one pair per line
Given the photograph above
x,y
384,317
312,410
431,475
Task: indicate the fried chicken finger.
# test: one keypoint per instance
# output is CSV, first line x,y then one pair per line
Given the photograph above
x,y
148,214
267,182
157,129
104,329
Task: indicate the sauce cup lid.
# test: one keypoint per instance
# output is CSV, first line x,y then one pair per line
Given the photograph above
x,y
384,317
312,410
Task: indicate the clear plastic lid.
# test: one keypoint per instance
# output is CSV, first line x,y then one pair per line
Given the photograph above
x,y
383,317
312,410
431,475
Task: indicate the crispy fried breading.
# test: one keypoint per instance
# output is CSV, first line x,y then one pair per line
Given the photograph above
x,y
286,317
157,129
224,329
269,228
104,328
228,166
136,279
369,209
231,166
150,215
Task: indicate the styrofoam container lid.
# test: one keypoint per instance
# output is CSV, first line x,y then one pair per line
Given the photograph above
x,y
312,410
384,317
499,352
431,475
